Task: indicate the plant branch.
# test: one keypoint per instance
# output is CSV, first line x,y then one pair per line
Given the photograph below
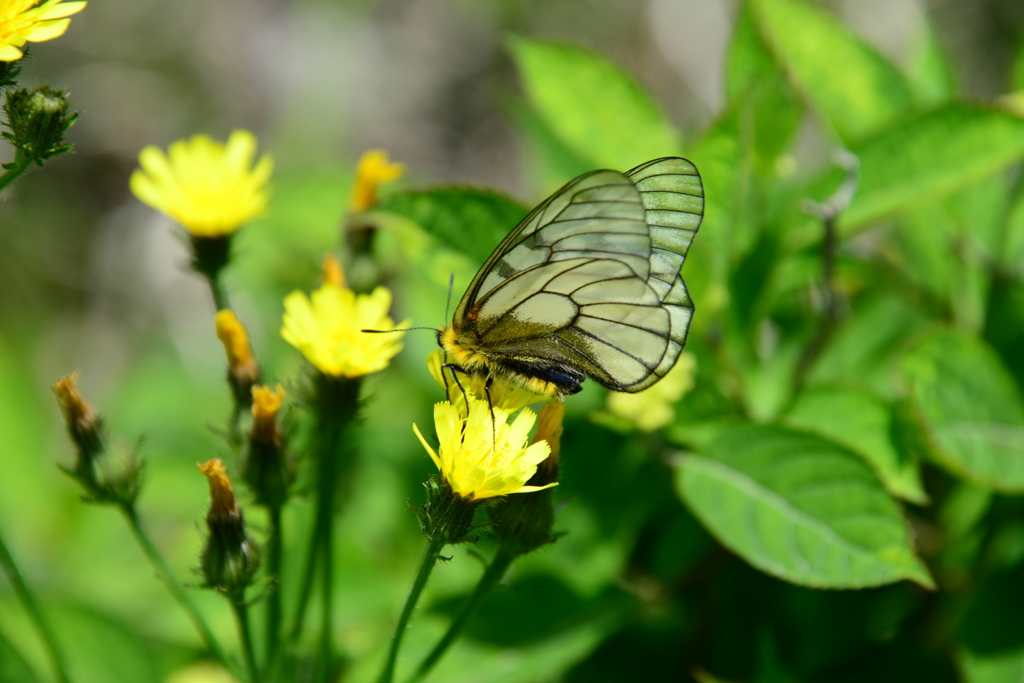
x,y
35,614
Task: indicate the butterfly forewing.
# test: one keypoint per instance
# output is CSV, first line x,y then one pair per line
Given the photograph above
x,y
590,279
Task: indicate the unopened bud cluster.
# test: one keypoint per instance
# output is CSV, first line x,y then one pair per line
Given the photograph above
x,y
110,472
230,559
37,120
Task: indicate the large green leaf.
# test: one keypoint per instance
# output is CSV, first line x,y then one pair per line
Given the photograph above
x,y
866,424
801,508
970,408
468,220
758,90
929,156
931,73
848,81
592,105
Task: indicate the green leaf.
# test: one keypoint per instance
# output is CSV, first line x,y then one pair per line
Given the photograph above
x,y
848,81
769,111
1005,667
865,424
933,154
801,508
866,349
468,220
931,73
970,408
592,105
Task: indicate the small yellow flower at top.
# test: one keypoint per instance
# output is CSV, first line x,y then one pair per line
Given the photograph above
x,y
327,327
653,408
502,396
373,170
481,459
266,403
210,188
22,21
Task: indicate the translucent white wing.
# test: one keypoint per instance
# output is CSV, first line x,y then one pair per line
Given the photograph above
x,y
590,279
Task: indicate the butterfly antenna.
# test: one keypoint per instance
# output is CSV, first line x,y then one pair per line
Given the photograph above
x,y
448,303
404,329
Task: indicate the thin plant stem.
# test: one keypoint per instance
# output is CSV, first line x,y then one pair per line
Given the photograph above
x,y
220,295
18,167
244,632
492,576
28,601
429,560
325,518
165,575
306,587
273,612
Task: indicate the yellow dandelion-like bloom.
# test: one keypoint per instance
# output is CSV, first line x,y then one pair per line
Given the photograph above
x,y
210,188
327,328
653,408
502,396
21,21
373,170
482,459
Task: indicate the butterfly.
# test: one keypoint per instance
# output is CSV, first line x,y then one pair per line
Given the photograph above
x,y
587,285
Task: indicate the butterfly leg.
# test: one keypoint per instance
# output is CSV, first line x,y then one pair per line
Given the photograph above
x,y
490,406
453,367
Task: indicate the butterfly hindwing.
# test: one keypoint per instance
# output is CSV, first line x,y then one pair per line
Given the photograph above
x,y
588,283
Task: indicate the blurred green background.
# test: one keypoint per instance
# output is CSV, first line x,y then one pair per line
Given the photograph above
x,y
92,280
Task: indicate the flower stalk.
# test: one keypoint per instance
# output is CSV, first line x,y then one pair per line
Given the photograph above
x,y
35,614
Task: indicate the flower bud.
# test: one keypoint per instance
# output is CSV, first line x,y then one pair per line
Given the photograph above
x,y
267,469
243,369
110,472
332,273
230,559
38,120
524,523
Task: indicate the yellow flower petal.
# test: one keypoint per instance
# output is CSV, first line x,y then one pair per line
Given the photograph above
x,y
327,328
206,186
373,170
21,21
481,458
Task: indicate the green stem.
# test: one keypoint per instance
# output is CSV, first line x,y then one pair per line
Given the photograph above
x,y
28,601
325,519
242,617
165,575
19,166
273,630
429,560
308,572
499,565
220,295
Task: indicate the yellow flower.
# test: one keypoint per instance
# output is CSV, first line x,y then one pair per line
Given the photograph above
x,y
211,188
502,396
328,329
653,408
21,21
482,459
373,169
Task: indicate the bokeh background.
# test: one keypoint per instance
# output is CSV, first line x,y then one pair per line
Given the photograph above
x,y
91,280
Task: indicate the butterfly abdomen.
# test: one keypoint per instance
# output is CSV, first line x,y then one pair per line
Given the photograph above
x,y
539,377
